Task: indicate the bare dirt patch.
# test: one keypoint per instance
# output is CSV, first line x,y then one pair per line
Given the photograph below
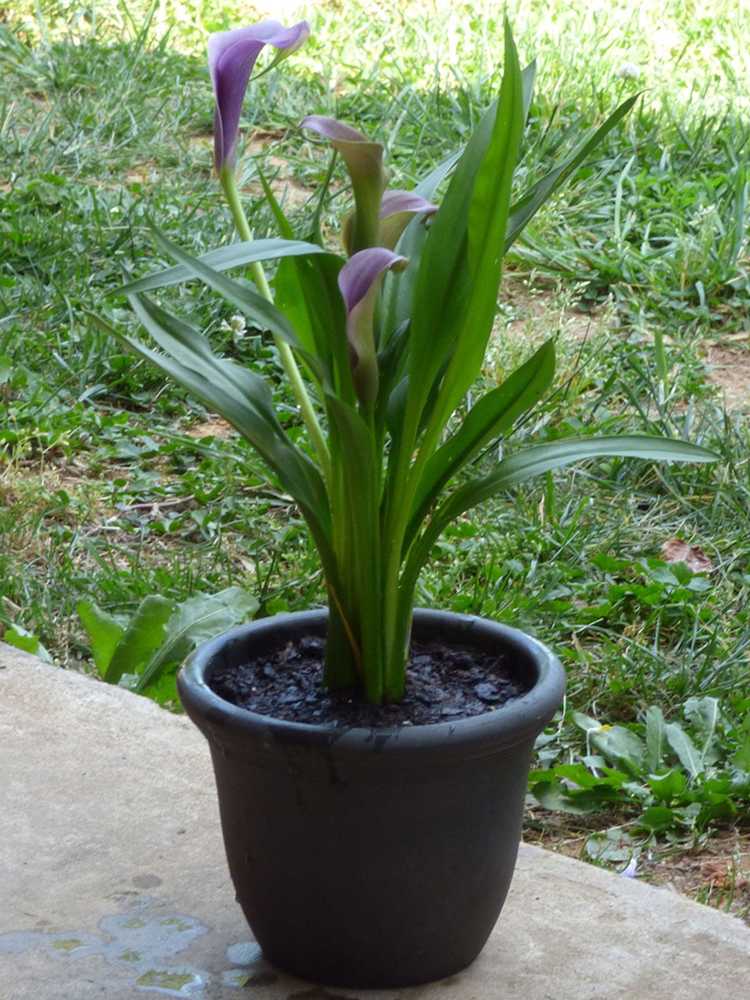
x,y
729,371
142,173
715,873
289,192
537,311
213,427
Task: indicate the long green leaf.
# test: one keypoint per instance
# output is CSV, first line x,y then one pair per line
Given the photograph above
x,y
357,461
468,302
452,276
103,630
541,458
307,293
197,619
224,259
250,303
523,210
242,403
227,380
655,737
143,636
685,749
398,287
488,218
494,414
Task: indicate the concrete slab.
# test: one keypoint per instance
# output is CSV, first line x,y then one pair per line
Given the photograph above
x,y
113,881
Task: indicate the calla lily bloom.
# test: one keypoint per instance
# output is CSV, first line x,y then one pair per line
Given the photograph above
x,y
396,211
359,282
364,161
231,57
380,216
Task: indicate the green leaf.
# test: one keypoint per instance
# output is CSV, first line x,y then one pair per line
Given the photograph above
x,y
538,459
528,78
529,204
553,795
667,787
493,415
614,845
398,287
357,504
655,738
543,458
307,293
577,773
250,303
104,632
657,818
223,259
685,749
704,713
163,691
621,746
20,638
585,722
143,636
741,759
240,396
196,620
455,295
278,212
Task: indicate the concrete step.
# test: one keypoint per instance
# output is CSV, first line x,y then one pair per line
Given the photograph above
x,y
113,882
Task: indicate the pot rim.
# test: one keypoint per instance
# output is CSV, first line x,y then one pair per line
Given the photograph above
x,y
515,722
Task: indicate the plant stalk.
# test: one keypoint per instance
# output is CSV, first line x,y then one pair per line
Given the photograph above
x,y
229,185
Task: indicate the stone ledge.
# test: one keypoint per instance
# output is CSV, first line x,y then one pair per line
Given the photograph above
x,y
114,884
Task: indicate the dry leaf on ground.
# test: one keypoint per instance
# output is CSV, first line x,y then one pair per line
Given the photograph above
x,y
674,550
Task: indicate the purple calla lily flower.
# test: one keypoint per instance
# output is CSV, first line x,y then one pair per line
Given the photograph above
x,y
364,161
396,201
380,217
231,57
359,282
396,211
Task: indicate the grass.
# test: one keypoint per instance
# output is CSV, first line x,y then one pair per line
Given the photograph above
x,y
114,486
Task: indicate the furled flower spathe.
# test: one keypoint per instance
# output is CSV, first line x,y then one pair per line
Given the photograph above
x,y
231,57
359,283
397,208
380,216
364,161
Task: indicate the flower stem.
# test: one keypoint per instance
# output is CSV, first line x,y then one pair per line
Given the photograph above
x,y
229,184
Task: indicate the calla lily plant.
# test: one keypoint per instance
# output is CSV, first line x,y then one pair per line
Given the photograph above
x,y
380,343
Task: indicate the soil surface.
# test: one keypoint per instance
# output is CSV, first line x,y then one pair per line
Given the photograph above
x,y
444,684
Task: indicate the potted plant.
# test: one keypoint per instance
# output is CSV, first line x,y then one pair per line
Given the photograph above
x,y
371,823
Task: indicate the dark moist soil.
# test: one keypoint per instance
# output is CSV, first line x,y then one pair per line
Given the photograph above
x,y
443,684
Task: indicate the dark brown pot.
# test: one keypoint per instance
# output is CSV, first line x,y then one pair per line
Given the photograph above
x,y
372,858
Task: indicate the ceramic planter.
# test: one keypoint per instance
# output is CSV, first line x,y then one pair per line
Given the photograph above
x,y
372,858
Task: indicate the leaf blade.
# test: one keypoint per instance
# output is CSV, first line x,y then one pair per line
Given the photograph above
x,y
142,637
224,259
685,749
103,630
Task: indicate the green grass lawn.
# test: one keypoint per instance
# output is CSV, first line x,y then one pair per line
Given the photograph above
x,y
115,486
